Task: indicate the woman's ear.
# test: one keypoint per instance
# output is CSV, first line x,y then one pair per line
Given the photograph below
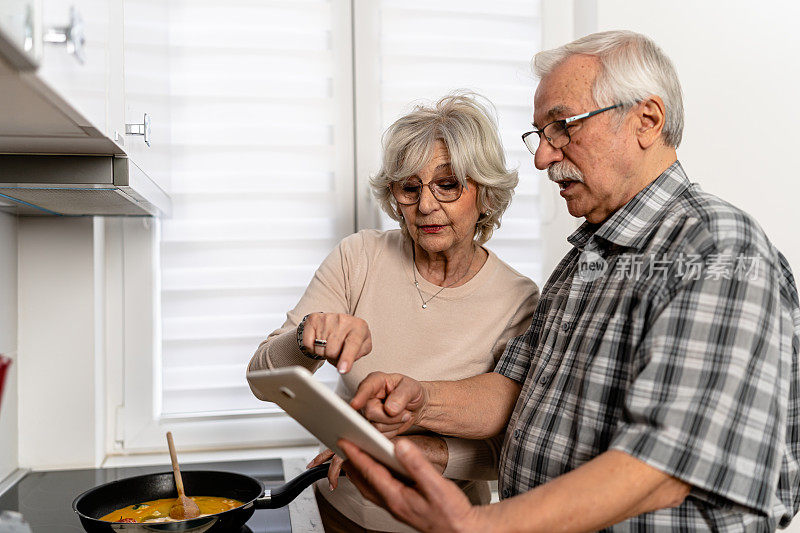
x,y
650,115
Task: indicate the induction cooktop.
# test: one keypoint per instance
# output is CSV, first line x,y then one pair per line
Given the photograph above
x,y
45,498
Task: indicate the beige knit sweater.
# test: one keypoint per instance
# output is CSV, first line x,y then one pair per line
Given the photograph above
x,y
462,333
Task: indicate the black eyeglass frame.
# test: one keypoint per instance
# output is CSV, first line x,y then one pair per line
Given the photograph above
x,y
430,188
564,123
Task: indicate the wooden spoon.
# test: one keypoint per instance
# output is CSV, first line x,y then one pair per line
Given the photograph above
x,y
184,507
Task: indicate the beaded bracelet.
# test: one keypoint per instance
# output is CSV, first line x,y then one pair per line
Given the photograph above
x,y
311,355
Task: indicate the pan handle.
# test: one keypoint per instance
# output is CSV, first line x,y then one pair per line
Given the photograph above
x,y
282,495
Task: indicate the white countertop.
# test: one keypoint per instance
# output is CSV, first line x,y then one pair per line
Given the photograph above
x,y
303,510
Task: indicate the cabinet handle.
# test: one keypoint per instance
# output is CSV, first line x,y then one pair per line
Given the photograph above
x,y
140,129
28,39
72,35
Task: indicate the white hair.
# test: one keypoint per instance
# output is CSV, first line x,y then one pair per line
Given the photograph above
x,y
469,132
632,68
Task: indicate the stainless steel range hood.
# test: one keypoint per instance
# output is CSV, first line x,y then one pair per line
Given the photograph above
x,y
74,185
53,159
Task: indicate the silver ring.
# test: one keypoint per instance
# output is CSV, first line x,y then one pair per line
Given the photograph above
x,y
320,342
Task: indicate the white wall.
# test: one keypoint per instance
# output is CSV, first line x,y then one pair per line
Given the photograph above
x,y
738,63
58,347
561,23
8,342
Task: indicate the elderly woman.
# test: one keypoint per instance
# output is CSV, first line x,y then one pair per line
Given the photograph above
x,y
426,300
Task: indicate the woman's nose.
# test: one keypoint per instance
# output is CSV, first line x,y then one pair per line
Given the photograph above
x,y
427,202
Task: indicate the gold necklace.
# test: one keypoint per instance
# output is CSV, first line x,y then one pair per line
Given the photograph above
x,y
416,283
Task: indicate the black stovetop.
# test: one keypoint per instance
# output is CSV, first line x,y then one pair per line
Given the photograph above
x,y
45,498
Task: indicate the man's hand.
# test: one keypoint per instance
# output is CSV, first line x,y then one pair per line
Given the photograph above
x,y
609,489
392,402
432,504
473,408
434,448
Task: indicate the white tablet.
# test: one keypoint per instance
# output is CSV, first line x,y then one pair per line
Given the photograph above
x,y
321,411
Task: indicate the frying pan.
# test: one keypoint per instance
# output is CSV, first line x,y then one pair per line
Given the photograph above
x,y
103,499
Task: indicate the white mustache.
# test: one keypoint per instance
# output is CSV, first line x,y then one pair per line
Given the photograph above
x,y
564,171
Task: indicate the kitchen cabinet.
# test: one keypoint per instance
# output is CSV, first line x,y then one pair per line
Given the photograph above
x,y
66,95
17,27
147,85
82,58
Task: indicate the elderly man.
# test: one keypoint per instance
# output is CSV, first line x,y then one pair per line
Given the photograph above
x,y
657,387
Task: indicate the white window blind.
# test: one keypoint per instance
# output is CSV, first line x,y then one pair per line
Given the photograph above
x,y
270,101
261,186
430,48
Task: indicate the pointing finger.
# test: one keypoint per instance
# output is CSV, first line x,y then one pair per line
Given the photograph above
x,y
350,352
373,386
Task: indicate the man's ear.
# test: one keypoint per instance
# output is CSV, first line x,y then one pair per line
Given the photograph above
x,y
650,115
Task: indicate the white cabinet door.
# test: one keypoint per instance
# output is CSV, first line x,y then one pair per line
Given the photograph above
x,y
82,42
146,84
18,20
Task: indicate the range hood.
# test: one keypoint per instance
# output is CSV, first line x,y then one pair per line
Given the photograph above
x,y
74,185
53,160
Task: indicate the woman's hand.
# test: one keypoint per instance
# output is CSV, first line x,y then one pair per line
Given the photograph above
x,y
434,448
333,470
347,337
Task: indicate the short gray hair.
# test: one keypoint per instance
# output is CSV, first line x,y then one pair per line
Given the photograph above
x,y
632,68
468,129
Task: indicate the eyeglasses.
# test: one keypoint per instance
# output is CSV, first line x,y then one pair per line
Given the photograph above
x,y
444,189
557,132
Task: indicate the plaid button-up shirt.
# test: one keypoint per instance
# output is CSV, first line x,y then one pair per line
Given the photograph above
x,y
669,332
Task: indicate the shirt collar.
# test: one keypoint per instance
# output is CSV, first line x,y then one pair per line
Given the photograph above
x,y
630,225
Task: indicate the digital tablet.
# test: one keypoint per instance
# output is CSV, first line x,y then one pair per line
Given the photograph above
x,y
322,412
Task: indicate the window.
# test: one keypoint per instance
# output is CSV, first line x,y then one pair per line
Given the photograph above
x,y
276,114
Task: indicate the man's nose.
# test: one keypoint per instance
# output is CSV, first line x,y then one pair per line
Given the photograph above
x,y
546,155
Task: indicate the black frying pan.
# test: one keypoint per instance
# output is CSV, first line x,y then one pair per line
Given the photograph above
x,y
101,500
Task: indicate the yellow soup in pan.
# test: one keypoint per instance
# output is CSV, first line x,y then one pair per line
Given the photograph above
x,y
158,510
